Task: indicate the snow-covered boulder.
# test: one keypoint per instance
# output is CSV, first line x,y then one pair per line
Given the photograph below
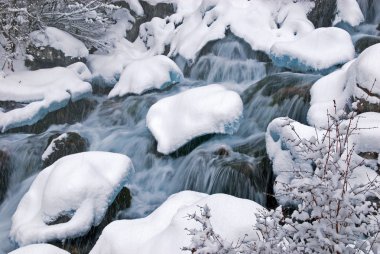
x,y
155,72
317,51
231,217
358,80
77,190
61,40
38,249
40,92
177,119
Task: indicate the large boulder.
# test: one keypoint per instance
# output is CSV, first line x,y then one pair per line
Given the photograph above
x,y
323,13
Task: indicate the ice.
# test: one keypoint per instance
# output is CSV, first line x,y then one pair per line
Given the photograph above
x,y
42,91
80,186
177,119
231,217
61,40
38,249
317,51
146,74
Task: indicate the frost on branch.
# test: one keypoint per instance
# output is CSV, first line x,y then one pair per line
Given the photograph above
x,y
86,20
335,200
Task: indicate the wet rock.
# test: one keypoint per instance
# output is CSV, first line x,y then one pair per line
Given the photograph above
x,y
363,106
5,172
278,95
366,42
85,243
230,173
6,106
71,143
378,28
48,57
160,10
323,13
369,155
73,112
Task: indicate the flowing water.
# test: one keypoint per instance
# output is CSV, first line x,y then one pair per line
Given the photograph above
x,y
234,164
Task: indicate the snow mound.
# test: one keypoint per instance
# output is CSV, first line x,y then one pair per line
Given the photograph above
x,y
359,79
317,51
231,217
254,21
60,40
348,11
177,119
145,74
79,186
38,249
41,91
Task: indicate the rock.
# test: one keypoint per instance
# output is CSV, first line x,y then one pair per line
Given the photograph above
x,y
323,13
160,10
366,42
5,172
378,27
363,106
85,243
286,93
73,112
70,143
48,57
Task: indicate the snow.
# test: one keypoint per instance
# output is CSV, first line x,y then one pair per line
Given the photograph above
x,y
348,11
177,119
38,249
319,50
80,186
42,91
51,148
364,74
60,40
146,74
344,84
231,217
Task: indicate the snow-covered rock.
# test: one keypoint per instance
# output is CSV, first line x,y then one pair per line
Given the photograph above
x,y
348,11
177,119
358,80
231,217
145,74
38,249
41,92
79,187
317,51
61,40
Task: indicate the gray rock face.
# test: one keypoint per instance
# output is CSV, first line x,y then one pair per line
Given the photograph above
x,y
366,42
5,171
72,143
48,57
323,13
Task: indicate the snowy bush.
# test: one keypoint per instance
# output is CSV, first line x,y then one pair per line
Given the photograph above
x,y
84,19
334,210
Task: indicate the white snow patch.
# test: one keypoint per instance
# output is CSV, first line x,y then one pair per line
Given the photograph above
x,y
43,91
177,119
145,74
80,186
60,40
231,217
318,50
39,249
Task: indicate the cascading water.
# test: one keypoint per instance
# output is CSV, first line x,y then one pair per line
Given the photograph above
x,y
371,12
233,164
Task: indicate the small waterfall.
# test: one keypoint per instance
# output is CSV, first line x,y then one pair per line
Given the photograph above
x,y
233,164
370,10
228,60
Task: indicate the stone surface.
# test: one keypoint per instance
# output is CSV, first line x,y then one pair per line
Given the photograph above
x,y
323,13
5,171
